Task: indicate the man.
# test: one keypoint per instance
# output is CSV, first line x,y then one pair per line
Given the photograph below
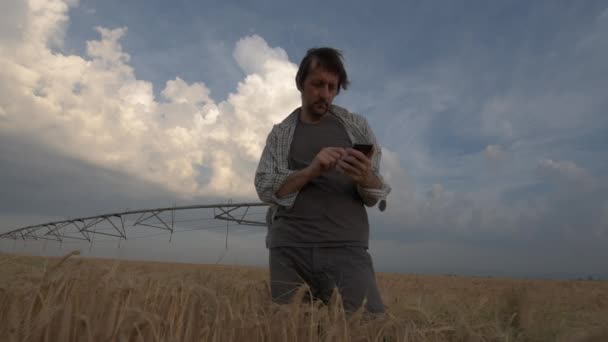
x,y
318,187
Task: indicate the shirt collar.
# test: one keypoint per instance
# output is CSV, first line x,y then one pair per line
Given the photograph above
x,y
292,119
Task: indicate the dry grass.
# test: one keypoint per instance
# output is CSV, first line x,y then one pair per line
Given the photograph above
x,y
78,299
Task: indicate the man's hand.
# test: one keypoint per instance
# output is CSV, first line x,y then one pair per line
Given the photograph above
x,y
359,167
327,159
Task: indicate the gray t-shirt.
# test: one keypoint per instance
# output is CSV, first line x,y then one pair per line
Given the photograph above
x,y
328,211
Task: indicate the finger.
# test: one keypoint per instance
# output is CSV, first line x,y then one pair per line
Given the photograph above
x,y
371,152
331,153
339,168
326,162
358,154
343,167
336,154
349,169
339,151
332,160
362,166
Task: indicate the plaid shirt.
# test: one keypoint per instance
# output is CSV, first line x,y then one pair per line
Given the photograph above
x,y
272,170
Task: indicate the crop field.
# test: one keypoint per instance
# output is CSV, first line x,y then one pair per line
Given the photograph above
x,y
83,299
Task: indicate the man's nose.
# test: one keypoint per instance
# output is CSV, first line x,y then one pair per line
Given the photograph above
x,y
325,93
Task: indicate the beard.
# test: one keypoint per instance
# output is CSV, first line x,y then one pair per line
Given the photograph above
x,y
319,108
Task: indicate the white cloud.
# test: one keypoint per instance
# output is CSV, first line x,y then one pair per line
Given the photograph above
x,y
392,171
254,55
437,209
494,152
94,108
525,118
564,171
108,49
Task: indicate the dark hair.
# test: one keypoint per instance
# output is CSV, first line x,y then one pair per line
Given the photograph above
x,y
327,58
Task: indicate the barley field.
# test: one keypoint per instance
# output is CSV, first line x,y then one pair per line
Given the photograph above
x,y
83,299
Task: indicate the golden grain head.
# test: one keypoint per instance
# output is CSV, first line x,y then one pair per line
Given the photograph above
x,y
82,299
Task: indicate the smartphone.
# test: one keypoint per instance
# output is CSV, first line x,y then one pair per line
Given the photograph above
x,y
363,148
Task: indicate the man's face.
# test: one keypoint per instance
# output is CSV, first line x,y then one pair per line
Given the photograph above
x,y
318,91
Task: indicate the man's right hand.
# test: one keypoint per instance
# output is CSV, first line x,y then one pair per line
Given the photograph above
x,y
326,160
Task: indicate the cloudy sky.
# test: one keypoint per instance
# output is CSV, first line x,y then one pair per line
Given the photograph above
x,y
492,117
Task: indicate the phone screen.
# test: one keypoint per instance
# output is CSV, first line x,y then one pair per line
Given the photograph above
x,y
363,148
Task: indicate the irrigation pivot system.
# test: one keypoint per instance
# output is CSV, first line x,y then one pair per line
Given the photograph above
x,y
117,225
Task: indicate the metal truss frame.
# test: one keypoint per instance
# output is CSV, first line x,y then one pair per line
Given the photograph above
x,y
83,227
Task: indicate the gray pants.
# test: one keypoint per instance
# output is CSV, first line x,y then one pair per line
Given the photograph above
x,y
347,268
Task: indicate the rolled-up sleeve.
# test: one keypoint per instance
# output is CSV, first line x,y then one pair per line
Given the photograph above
x,y
371,196
270,175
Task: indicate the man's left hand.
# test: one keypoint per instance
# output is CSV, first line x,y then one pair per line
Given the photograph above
x,y
358,167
